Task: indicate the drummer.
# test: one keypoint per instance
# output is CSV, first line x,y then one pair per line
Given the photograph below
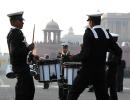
x,y
64,54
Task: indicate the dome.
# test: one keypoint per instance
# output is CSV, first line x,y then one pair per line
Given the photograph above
x,y
52,25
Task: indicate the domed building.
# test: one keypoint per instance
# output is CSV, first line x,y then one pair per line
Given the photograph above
x,y
52,25
52,42
72,38
52,28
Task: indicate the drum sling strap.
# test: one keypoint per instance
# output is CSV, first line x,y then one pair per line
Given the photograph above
x,y
95,33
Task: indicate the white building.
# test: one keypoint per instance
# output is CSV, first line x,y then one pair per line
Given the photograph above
x,y
72,38
118,23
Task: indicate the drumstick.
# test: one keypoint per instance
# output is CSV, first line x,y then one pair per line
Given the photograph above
x,y
33,34
33,37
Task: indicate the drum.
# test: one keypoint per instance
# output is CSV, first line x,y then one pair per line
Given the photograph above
x,y
49,70
9,72
33,70
70,71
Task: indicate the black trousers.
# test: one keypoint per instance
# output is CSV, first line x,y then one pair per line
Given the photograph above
x,y
24,88
120,77
113,92
83,80
111,82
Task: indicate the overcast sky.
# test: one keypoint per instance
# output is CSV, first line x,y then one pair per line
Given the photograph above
x,y
67,13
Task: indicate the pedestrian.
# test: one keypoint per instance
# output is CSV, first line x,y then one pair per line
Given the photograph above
x,y
113,63
46,83
96,42
18,51
120,75
64,55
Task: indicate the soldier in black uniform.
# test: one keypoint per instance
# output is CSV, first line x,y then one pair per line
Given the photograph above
x,y
96,42
18,51
120,75
64,55
113,63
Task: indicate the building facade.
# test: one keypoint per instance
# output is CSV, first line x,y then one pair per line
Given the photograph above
x,y
118,23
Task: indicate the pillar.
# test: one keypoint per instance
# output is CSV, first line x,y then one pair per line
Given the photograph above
x,y
49,37
54,37
45,37
58,37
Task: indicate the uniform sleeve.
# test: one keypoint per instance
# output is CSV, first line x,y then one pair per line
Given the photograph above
x,y
77,57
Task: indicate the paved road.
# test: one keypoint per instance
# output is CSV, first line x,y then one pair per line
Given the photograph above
x,y
7,91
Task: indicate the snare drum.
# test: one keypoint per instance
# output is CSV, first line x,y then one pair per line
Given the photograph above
x,y
70,71
49,70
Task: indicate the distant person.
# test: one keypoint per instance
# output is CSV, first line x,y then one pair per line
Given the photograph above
x,y
113,63
120,75
96,43
18,51
46,84
64,54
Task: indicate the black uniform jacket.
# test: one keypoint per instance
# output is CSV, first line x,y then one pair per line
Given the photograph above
x,y
18,50
93,52
64,56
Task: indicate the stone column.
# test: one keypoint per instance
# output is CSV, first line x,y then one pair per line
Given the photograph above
x,y
49,37
54,37
58,37
45,37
